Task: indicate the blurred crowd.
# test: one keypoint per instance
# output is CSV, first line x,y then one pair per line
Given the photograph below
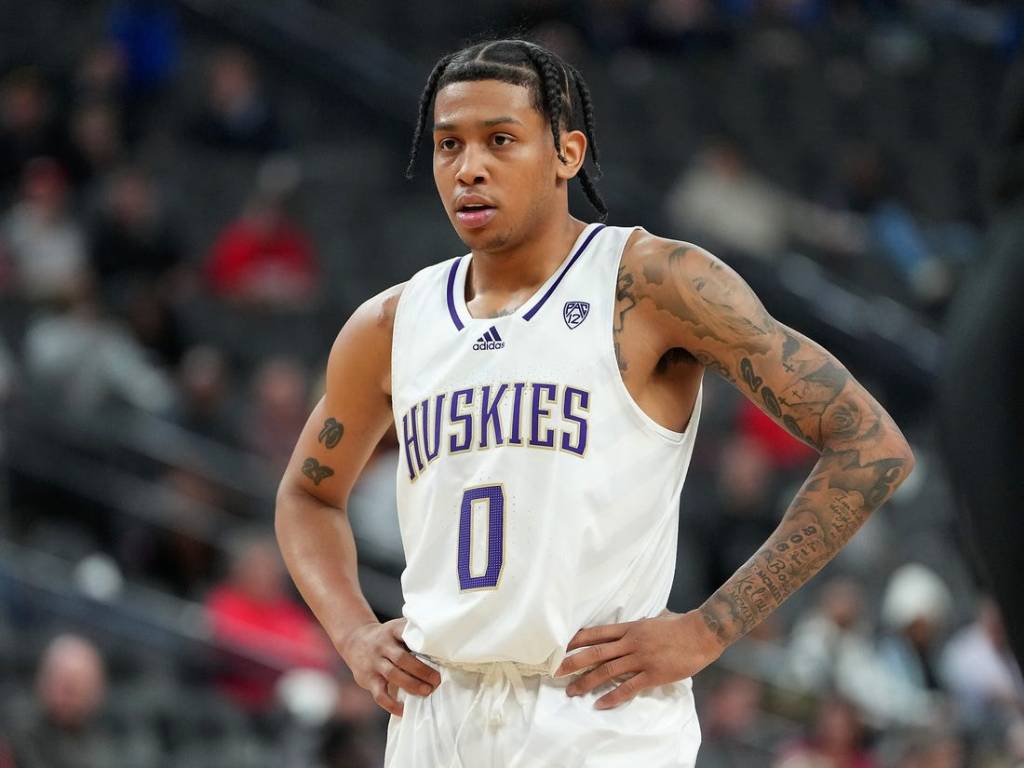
x,y
112,275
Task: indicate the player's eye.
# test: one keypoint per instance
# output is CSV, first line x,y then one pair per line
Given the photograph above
x,y
502,139
447,144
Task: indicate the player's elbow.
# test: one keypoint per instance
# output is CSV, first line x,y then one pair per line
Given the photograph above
x,y
901,456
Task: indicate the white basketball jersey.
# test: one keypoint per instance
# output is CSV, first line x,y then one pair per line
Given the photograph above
x,y
534,496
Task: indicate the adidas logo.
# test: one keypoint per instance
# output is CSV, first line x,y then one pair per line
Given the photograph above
x,y
490,340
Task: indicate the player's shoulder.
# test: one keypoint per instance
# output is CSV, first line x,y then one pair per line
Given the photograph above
x,y
649,255
658,266
376,315
362,348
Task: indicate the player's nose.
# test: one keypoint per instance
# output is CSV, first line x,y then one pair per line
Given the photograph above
x,y
472,168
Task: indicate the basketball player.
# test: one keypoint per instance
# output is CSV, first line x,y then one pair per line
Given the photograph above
x,y
546,390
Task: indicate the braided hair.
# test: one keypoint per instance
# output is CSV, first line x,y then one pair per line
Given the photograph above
x,y
557,89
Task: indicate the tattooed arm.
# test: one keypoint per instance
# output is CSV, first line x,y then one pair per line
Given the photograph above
x,y
685,301
707,309
311,521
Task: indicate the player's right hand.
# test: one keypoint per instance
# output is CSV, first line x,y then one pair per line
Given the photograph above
x,y
382,663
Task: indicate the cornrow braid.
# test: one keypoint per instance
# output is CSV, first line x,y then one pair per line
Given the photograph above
x,y
587,107
557,89
550,92
426,102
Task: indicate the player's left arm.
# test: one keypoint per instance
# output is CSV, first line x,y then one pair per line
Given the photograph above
x,y
699,304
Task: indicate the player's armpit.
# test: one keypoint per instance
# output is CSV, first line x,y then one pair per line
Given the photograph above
x,y
354,413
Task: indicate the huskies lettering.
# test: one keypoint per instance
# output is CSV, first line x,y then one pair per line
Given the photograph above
x,y
537,416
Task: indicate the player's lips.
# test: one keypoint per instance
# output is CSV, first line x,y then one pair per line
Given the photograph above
x,y
474,211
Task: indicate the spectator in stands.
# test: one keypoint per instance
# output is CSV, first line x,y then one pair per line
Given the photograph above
x,y
829,640
747,507
902,685
723,202
61,732
205,406
83,362
830,650
732,734
277,410
265,631
97,144
137,254
146,35
178,556
238,115
915,609
99,76
29,126
981,672
132,239
895,236
263,258
836,741
41,239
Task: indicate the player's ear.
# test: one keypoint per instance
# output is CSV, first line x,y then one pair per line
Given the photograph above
x,y
574,150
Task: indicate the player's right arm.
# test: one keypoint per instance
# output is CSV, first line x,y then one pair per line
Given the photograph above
x,y
311,520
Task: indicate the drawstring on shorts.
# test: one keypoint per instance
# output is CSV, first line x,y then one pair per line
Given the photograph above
x,y
499,679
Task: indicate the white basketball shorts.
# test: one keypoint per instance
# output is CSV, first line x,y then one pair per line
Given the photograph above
x,y
508,715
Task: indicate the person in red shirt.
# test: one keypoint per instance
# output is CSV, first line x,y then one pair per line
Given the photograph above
x,y
263,257
262,629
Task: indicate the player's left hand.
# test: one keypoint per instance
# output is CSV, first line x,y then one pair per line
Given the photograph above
x,y
649,652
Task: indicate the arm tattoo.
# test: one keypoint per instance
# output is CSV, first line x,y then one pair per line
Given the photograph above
x,y
863,455
315,471
332,432
624,302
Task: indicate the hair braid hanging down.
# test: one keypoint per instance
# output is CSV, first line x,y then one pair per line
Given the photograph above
x,y
426,102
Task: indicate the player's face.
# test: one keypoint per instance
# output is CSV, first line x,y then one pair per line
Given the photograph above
x,y
494,162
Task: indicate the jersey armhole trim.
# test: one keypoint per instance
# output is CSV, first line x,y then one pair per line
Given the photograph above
x,y
670,435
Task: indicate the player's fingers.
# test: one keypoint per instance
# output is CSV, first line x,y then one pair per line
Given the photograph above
x,y
624,665
404,680
591,656
601,634
384,699
405,660
397,627
624,691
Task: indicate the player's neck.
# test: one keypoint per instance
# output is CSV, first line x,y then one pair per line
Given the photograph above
x,y
525,267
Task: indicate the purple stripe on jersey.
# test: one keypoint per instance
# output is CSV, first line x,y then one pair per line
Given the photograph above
x,y
451,294
494,333
547,294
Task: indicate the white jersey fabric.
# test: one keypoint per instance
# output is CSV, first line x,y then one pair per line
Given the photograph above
x,y
534,498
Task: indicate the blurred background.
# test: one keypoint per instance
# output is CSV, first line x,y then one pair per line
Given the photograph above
x,y
195,194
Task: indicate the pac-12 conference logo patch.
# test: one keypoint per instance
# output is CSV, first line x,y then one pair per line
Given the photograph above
x,y
575,312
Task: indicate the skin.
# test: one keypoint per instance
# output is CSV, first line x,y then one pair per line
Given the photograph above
x,y
680,311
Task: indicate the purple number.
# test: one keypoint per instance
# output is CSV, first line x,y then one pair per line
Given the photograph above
x,y
495,496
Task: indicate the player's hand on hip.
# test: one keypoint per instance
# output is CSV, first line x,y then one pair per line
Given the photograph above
x,y
382,663
646,653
